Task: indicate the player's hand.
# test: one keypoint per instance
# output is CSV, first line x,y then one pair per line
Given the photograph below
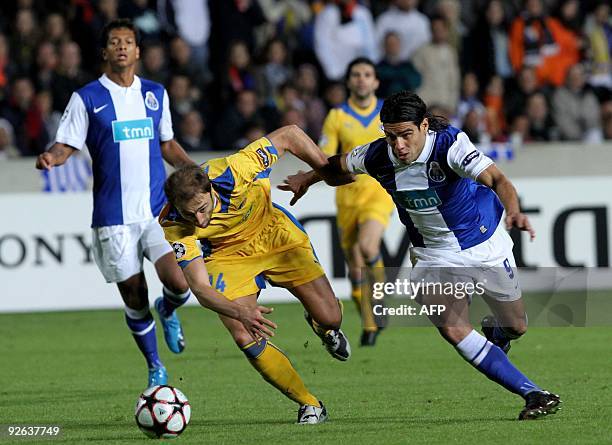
x,y
45,161
521,222
298,184
253,320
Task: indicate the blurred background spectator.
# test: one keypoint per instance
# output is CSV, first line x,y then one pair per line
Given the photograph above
x,y
520,70
343,31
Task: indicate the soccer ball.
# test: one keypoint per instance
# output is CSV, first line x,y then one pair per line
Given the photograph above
x,y
162,411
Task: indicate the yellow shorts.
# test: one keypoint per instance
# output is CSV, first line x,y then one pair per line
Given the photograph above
x,y
281,254
378,208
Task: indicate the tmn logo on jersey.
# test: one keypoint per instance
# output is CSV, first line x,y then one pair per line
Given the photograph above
x,y
130,130
417,199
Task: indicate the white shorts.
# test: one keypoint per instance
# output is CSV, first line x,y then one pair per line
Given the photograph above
x,y
490,265
119,250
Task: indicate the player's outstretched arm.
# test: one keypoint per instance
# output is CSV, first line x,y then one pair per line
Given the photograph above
x,y
292,138
56,155
334,173
251,317
494,178
175,155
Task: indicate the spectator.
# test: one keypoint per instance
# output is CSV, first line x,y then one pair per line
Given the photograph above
x,y
394,74
274,72
182,100
25,118
231,127
519,91
287,18
232,21
144,17
238,74
7,68
192,23
451,11
472,126
439,67
43,72
7,141
490,36
24,40
576,110
55,29
307,83
181,57
153,66
68,76
335,94
600,42
541,124
51,119
540,41
343,31
293,116
192,135
470,102
412,26
494,105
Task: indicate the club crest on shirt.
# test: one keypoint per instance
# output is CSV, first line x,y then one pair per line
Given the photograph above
x,y
151,101
435,172
179,250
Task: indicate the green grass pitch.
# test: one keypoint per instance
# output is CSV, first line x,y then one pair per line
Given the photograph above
x,y
81,370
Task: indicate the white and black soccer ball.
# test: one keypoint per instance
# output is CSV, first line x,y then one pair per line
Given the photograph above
x,y
162,412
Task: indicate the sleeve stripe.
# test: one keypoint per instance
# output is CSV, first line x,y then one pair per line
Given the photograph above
x,y
184,263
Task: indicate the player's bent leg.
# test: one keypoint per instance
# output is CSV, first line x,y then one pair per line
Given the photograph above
x,y
324,315
508,322
488,358
356,265
175,293
274,367
140,321
369,239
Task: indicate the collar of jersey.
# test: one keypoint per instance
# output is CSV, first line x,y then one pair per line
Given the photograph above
x,y
112,86
429,143
363,111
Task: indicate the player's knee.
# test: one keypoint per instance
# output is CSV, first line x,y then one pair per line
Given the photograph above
x,y
518,327
174,281
454,334
369,250
241,337
329,319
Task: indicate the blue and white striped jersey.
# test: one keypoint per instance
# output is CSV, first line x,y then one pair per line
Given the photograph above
x,y
437,197
122,128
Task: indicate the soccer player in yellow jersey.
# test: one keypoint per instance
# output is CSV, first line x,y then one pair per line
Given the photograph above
x,y
246,240
364,207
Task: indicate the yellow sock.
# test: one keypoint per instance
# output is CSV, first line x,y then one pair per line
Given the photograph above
x,y
364,308
375,271
276,369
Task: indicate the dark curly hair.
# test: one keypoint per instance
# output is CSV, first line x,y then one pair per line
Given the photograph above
x,y
406,106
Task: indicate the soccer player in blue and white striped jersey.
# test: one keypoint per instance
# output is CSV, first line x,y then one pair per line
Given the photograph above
x,y
125,123
451,198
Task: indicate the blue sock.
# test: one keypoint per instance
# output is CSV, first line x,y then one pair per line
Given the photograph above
x,y
171,301
492,362
142,325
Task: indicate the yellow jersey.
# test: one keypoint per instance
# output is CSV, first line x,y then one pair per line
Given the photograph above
x,y
242,207
346,127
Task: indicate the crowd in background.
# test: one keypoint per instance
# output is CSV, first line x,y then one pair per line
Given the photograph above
x,y
519,70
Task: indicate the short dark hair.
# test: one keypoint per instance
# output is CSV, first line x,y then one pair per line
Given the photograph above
x,y
185,183
406,106
116,24
359,61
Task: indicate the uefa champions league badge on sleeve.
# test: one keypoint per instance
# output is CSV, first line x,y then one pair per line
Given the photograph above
x,y
179,250
151,101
